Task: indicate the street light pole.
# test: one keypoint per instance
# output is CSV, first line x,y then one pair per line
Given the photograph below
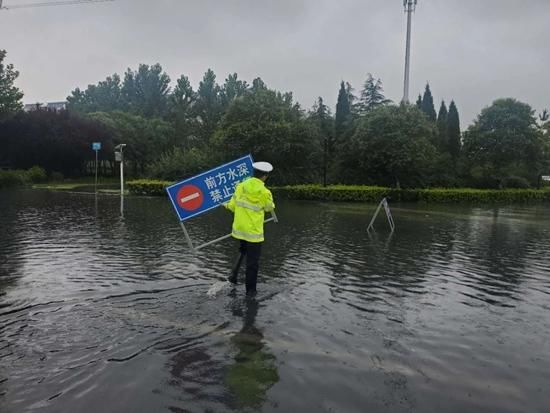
x,y
120,157
95,185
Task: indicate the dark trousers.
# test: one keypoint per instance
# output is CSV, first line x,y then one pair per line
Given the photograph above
x,y
252,252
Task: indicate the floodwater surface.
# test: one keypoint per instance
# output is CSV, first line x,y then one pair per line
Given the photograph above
x,y
103,311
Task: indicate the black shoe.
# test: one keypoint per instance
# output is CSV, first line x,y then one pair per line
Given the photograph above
x,y
251,294
232,278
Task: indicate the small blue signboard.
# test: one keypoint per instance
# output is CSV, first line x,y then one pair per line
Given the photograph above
x,y
96,146
210,189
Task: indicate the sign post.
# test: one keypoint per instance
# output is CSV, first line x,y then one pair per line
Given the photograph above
x,y
209,190
96,146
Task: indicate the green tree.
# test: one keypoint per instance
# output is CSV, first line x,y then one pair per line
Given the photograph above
x,y
392,145
258,84
372,95
55,141
343,111
442,138
544,115
270,126
181,107
147,139
178,163
208,109
232,89
351,96
419,102
10,96
428,104
453,131
505,142
145,91
323,124
105,97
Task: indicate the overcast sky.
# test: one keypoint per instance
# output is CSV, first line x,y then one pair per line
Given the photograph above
x,y
472,51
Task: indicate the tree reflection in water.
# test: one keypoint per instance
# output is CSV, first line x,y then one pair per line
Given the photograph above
x,y
254,371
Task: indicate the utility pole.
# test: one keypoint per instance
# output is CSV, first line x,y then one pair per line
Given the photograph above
x,y
410,6
119,156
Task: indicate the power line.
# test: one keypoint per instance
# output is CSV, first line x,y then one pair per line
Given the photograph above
x,y
51,3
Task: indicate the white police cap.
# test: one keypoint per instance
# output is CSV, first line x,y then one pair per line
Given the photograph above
x,y
263,166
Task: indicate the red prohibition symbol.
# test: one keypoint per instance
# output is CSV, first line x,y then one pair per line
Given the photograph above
x,y
190,197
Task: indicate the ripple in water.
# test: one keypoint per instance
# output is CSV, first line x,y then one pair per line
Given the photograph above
x,y
100,312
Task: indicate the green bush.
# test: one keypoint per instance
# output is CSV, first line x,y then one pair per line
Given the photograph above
x,y
56,177
333,193
12,178
36,175
342,193
148,187
437,195
516,182
178,163
18,177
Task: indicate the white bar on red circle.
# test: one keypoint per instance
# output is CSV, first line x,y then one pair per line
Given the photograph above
x,y
190,197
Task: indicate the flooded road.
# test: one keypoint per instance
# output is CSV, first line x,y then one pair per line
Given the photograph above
x,y
110,313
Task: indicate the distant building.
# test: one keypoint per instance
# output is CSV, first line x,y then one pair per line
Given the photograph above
x,y
53,106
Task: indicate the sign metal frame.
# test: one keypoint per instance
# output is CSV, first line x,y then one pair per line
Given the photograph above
x,y
383,203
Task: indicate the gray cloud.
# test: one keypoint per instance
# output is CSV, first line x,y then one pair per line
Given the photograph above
x,y
471,51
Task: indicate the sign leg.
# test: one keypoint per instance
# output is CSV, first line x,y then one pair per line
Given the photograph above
x,y
187,237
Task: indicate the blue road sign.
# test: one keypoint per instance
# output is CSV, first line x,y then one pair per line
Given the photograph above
x,y
96,146
210,189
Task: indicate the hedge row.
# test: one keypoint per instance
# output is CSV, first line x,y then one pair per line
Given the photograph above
x,y
18,177
438,195
348,193
483,195
148,187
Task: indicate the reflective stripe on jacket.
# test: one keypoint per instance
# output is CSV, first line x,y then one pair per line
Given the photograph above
x,y
249,202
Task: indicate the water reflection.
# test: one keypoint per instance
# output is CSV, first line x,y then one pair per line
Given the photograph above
x,y
254,371
89,301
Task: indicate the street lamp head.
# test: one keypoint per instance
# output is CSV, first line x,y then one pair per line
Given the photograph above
x,y
119,147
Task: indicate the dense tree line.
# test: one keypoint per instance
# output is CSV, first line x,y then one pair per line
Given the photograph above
x,y
174,130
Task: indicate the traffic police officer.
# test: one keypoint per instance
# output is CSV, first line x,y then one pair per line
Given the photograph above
x,y
249,203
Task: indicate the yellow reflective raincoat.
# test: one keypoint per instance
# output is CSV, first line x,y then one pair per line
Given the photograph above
x,y
249,202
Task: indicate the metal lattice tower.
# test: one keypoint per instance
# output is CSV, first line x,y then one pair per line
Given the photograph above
x,y
410,6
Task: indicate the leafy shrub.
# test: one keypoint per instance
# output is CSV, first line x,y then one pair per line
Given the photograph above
x,y
12,178
437,195
515,182
148,187
178,164
56,177
334,193
19,177
36,175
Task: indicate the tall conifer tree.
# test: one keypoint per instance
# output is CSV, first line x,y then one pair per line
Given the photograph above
x,y
442,127
428,104
419,102
372,95
343,111
453,131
